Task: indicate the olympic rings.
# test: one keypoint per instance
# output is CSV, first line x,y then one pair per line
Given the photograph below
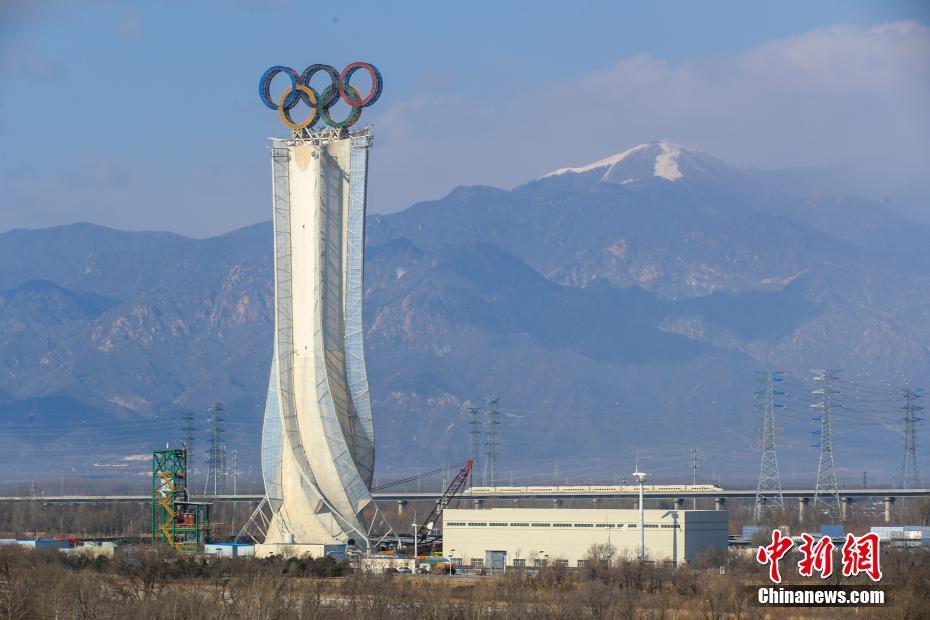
x,y
338,90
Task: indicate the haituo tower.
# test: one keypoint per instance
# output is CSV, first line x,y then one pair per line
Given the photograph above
x,y
318,443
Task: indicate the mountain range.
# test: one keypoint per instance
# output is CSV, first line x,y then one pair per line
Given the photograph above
x,y
614,308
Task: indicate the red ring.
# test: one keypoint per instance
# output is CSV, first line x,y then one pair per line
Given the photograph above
x,y
373,94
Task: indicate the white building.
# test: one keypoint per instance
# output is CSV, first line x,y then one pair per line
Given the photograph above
x,y
903,535
527,537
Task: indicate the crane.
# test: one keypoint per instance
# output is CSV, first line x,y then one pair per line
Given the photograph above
x,y
424,533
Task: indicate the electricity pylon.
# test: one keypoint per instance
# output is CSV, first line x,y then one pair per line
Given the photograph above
x,y
910,473
768,491
474,432
827,492
188,440
216,454
492,421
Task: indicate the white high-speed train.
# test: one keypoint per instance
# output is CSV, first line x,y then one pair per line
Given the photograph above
x,y
593,489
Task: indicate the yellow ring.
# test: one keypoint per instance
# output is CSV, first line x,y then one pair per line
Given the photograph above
x,y
313,107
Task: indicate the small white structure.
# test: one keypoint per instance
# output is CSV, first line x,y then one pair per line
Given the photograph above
x,y
43,544
298,550
281,550
386,563
528,537
903,535
229,550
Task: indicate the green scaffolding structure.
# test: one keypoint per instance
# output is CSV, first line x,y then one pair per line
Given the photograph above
x,y
176,521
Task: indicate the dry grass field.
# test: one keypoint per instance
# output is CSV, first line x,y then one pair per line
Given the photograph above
x,y
150,584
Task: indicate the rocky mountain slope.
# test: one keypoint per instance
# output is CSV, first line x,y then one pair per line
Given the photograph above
x,y
623,305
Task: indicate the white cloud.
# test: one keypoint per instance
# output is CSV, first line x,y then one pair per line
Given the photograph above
x,y
843,95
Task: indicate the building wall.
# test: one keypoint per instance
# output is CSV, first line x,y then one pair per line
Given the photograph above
x,y
532,535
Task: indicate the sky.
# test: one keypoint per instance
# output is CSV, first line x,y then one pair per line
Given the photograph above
x,y
145,115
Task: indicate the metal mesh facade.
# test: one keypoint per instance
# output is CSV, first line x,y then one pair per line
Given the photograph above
x,y
318,437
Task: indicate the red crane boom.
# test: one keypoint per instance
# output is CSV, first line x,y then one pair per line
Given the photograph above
x,y
423,534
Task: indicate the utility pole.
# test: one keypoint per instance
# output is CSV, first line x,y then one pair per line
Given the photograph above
x,y
910,473
865,480
768,490
640,478
492,421
215,454
827,490
223,469
694,468
235,471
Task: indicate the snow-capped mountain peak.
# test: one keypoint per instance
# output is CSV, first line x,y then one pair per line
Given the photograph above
x,y
662,159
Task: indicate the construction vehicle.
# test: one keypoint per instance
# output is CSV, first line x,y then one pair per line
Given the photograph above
x,y
426,535
434,565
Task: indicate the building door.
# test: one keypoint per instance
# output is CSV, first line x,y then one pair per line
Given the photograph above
x,y
495,560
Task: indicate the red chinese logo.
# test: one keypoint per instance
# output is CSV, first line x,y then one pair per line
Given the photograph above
x,y
817,556
860,555
771,554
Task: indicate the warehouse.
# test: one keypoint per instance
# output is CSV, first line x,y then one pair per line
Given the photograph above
x,y
528,537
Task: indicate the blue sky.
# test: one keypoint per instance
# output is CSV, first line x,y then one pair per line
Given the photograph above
x,y
136,115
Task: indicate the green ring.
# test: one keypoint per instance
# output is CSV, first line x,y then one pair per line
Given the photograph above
x,y
353,115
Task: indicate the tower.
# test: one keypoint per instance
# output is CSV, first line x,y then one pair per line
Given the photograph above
x,y
215,482
826,493
188,439
176,521
235,472
910,473
474,432
318,444
492,421
768,490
